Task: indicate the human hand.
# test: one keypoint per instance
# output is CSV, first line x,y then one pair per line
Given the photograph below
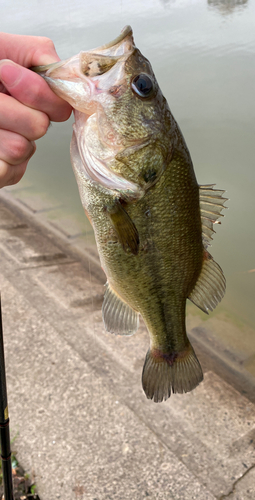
x,y
27,104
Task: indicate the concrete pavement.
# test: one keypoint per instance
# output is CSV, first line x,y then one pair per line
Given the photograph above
x,y
85,429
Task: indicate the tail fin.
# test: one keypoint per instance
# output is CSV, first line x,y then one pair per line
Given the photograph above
x,y
176,372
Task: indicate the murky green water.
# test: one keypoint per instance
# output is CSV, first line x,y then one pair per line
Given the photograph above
x,y
203,55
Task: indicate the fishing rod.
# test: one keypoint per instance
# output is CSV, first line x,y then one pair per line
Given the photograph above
x,y
4,423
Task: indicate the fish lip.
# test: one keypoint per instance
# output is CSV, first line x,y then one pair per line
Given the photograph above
x,y
126,31
43,69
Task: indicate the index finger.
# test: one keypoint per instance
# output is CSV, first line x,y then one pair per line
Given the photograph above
x,y
26,50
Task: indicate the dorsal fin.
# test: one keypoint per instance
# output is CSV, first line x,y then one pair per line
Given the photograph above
x,y
211,205
210,286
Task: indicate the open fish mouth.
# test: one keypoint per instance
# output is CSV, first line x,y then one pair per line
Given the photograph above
x,y
77,79
116,47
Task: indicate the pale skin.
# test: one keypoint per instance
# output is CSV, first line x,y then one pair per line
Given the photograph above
x,y
26,102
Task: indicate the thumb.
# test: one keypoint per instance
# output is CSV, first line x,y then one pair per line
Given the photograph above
x,y
10,73
30,89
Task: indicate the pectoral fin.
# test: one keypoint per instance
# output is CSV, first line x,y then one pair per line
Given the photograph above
x,y
210,286
118,316
124,226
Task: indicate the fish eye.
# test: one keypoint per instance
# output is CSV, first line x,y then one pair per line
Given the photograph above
x,y
142,85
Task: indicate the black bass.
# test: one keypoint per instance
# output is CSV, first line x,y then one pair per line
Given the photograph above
x,y
152,221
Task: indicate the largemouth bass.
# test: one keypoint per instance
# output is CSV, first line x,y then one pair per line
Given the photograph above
x,y
152,221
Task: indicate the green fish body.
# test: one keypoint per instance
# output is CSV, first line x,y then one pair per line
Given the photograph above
x,y
151,219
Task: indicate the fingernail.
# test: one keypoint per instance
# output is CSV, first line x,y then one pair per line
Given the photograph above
x,y
33,148
10,74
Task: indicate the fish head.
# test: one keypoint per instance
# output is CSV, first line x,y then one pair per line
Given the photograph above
x,y
115,81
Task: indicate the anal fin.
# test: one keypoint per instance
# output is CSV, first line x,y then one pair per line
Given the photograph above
x,y
210,286
118,316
